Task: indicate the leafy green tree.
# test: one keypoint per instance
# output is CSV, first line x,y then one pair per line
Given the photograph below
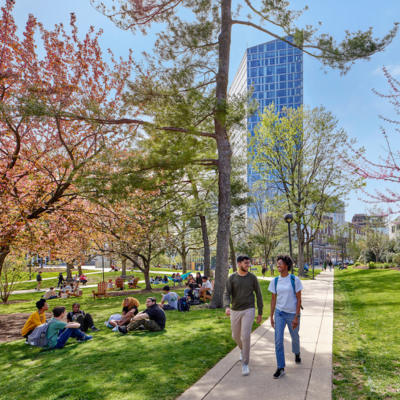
x,y
298,155
190,68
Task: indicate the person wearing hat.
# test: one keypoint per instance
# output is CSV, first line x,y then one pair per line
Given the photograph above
x,y
35,319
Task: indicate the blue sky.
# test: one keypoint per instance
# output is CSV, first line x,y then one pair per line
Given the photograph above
x,y
349,97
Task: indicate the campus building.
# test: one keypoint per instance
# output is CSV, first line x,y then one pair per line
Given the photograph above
x,y
274,71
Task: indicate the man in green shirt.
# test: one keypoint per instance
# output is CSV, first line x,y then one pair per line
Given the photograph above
x,y
59,332
239,291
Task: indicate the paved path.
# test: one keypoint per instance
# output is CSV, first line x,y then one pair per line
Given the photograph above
x,y
311,380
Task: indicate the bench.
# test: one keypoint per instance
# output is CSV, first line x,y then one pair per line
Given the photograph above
x,y
101,290
253,269
127,277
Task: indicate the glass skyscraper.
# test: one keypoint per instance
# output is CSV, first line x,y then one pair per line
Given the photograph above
x,y
275,71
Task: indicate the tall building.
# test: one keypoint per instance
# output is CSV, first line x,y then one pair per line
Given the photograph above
x,y
275,71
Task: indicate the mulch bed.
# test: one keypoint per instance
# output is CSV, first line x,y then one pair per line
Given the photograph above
x,y
15,302
11,325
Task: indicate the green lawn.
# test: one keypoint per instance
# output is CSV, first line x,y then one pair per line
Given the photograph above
x,y
366,344
138,366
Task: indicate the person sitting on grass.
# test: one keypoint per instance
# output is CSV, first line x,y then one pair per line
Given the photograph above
x,y
85,320
206,289
171,298
50,294
130,307
64,289
35,319
83,279
193,295
187,283
152,279
110,285
59,332
165,279
152,318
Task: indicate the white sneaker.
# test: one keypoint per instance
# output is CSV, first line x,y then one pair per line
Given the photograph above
x,y
115,329
240,356
245,370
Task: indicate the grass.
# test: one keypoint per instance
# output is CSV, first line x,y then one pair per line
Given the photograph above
x,y
366,345
138,366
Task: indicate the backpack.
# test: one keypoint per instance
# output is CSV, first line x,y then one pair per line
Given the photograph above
x,y
292,281
38,336
183,304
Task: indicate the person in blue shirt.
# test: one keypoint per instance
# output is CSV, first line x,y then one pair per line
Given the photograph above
x,y
171,298
285,310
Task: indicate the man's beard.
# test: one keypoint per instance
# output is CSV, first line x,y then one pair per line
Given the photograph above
x,y
242,269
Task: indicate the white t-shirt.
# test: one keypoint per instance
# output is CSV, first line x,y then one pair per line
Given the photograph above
x,y
286,300
207,285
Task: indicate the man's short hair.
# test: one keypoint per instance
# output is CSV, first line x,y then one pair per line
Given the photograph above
x,y
40,304
153,299
40,272
166,288
51,287
204,277
286,260
57,311
76,304
242,258
191,285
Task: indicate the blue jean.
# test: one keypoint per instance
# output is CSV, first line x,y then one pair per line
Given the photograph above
x,y
281,320
65,334
185,292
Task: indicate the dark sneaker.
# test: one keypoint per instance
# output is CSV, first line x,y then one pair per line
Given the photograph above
x,y
123,330
94,329
279,373
85,339
297,360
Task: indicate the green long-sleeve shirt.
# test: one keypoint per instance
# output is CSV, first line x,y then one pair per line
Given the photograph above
x,y
241,290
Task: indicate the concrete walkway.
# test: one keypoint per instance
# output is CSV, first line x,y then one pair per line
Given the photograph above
x,y
311,380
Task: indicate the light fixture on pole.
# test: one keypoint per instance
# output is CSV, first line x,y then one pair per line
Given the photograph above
x,y
288,219
312,238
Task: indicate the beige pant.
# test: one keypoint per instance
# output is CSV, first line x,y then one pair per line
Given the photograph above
x,y
241,324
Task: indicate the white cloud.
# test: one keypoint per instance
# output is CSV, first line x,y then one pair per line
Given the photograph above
x,y
394,70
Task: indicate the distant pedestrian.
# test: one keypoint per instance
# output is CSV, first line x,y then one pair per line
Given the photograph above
x,y
264,269
330,265
39,281
239,291
271,268
324,266
285,310
60,280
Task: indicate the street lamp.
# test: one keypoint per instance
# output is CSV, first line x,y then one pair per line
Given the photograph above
x,y
312,238
288,219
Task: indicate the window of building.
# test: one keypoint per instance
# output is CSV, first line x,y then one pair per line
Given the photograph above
x,y
298,75
298,58
261,48
282,60
255,63
253,72
280,93
260,71
282,85
281,45
272,61
290,77
270,70
290,85
282,78
270,94
270,79
272,86
281,69
253,50
297,84
270,46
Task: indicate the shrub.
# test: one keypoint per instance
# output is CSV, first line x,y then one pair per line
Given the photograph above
x,y
396,259
373,265
386,265
357,264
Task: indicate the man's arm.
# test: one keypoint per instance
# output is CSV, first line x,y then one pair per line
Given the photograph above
x,y
260,303
227,296
141,315
73,325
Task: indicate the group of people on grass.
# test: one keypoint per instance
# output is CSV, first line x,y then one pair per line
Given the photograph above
x,y
239,302
58,332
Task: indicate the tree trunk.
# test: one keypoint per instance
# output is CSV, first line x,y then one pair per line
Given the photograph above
x,y
123,266
224,157
233,255
79,269
207,258
4,252
300,247
69,273
308,253
184,265
146,274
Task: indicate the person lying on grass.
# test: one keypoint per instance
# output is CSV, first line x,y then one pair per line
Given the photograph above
x,y
59,332
152,318
171,298
85,320
130,307
35,319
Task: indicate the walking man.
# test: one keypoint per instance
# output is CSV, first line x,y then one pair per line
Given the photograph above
x,y
39,281
330,265
239,292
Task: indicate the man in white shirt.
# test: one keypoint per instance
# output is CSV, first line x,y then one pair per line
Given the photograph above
x,y
205,292
50,294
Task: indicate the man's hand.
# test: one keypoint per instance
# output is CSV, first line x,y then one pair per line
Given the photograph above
x,y
259,319
228,311
295,322
272,322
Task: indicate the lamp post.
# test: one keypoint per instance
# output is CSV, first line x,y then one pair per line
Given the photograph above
x,y
312,238
288,219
